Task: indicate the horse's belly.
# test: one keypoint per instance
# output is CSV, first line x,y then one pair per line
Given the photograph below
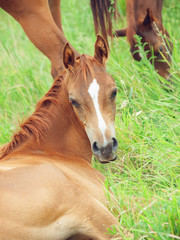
x,y
59,230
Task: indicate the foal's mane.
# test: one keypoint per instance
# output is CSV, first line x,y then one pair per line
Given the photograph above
x,y
37,123
85,67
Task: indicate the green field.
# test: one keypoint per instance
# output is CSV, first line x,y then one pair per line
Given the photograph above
x,y
146,177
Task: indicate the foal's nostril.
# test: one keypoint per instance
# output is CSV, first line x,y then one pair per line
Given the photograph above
x,y
115,144
95,148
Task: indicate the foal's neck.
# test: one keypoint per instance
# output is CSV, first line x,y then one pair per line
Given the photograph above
x,y
66,134
52,129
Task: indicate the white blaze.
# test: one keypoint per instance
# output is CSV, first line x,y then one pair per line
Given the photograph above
x,y
94,92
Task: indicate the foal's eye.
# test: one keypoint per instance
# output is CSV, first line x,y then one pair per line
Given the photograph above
x,y
113,94
74,103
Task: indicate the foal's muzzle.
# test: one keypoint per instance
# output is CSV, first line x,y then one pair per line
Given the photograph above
x,y
105,154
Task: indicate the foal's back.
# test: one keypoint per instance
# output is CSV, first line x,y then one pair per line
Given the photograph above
x,y
50,199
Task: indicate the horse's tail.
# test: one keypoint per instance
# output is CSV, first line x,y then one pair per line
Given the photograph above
x,y
131,23
102,11
132,28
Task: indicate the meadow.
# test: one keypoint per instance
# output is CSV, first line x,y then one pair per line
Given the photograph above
x,y
145,179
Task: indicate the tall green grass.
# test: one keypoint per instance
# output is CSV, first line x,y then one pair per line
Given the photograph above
x,y
145,179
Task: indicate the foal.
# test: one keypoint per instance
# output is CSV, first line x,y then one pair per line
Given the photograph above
x,y
41,21
144,18
48,187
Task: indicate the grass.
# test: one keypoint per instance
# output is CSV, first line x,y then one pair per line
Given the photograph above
x,y
145,179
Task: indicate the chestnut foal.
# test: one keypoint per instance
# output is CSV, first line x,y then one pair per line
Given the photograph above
x,y
48,187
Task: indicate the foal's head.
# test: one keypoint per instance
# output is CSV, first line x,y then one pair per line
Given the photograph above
x,y
150,30
92,92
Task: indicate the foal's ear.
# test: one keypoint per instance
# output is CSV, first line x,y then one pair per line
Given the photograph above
x,y
149,18
68,56
101,50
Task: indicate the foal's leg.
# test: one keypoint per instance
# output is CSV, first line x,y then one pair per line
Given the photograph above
x,y
92,221
56,12
36,20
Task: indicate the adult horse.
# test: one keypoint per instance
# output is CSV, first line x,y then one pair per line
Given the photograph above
x,y
41,21
144,18
48,187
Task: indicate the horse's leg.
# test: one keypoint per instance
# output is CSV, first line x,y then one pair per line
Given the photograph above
x,y
56,13
91,220
120,33
36,20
